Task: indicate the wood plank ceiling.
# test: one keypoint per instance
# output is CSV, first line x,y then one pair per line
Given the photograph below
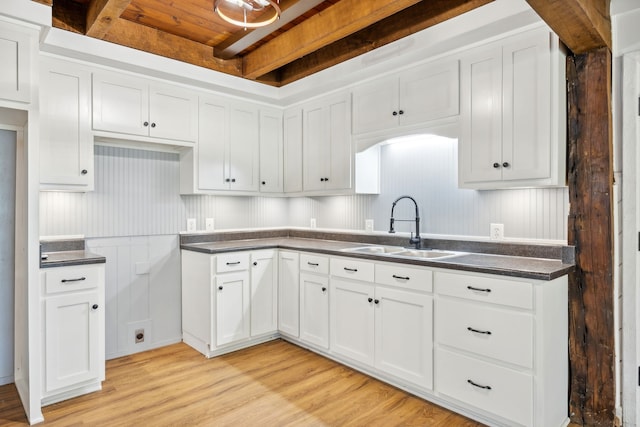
x,y
310,36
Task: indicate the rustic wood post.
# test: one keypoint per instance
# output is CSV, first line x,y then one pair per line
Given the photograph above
x,y
591,293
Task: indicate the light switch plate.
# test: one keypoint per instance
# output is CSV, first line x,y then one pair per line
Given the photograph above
x,y
191,224
312,223
209,224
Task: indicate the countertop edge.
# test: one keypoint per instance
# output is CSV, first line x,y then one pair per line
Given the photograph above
x,y
449,264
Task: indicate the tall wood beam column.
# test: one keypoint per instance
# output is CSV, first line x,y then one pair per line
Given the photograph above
x,y
591,295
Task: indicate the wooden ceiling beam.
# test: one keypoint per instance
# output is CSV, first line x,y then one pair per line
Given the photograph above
x,y
340,20
101,14
411,20
70,16
582,25
154,41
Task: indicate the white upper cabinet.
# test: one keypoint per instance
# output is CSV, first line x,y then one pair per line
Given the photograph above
x,y
228,147
130,105
327,148
416,96
271,152
16,46
513,126
66,142
292,128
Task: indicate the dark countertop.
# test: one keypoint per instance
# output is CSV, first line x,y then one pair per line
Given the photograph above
x,y
514,266
72,257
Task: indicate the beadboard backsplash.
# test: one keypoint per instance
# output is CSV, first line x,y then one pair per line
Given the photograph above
x,y
137,194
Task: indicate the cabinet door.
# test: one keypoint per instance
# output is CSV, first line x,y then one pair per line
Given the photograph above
x,y
375,105
243,147
120,103
264,292
212,154
526,128
15,73
232,307
173,113
429,92
315,148
480,146
314,310
66,143
352,320
289,293
339,134
292,124
404,335
271,152
72,339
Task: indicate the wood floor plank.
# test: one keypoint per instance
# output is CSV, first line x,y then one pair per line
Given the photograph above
x,y
274,384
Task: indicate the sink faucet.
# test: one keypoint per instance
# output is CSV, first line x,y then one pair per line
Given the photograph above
x,y
414,240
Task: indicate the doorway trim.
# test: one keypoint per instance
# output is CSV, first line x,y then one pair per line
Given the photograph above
x,y
630,301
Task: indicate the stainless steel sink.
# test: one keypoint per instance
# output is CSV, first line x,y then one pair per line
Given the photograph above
x,y
426,253
376,250
399,251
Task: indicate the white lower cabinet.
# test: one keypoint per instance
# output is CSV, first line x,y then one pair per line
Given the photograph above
x,y
493,348
73,325
289,293
264,292
314,310
501,347
228,302
383,327
314,300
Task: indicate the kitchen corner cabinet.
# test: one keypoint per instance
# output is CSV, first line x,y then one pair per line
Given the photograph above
x,y
66,142
292,136
513,108
17,45
131,105
227,302
228,147
413,97
271,151
73,325
289,293
314,300
327,149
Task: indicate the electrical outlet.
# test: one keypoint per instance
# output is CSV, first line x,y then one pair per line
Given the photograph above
x,y
496,232
209,224
312,223
191,224
368,225
139,336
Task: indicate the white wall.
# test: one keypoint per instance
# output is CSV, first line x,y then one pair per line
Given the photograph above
x,y
625,15
7,252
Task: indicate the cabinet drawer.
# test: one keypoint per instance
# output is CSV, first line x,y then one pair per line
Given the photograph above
x,y
418,279
504,335
234,261
76,278
314,263
486,289
352,269
502,391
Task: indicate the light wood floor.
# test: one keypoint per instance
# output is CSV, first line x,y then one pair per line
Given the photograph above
x,y
274,384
